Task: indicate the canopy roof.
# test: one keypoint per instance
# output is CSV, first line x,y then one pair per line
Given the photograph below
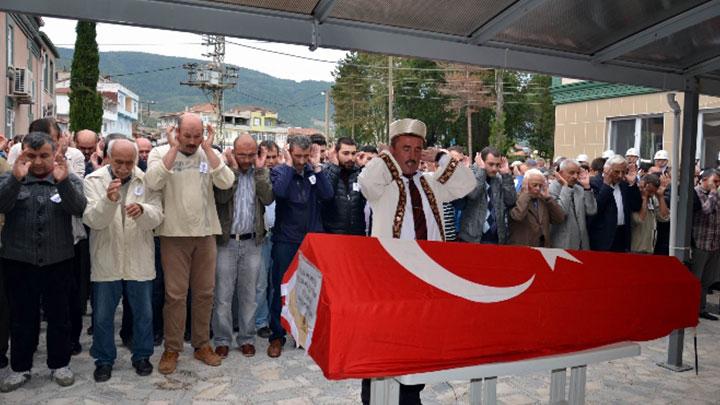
x,y
655,43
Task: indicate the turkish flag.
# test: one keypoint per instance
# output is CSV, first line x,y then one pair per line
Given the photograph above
x,y
368,307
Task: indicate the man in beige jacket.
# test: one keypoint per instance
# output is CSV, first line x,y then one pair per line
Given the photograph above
x,y
122,213
185,170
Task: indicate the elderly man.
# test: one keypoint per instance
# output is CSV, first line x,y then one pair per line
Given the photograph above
x,y
533,213
299,186
484,215
571,189
87,141
185,170
144,148
241,209
653,210
122,213
406,203
617,197
345,213
39,198
706,243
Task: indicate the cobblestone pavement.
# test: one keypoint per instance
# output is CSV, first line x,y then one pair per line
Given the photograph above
x,y
293,379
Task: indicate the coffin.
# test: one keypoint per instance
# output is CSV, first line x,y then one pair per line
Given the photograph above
x,y
368,307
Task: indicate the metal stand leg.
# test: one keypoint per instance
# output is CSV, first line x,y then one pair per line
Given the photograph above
x,y
577,385
557,386
384,391
476,391
675,352
490,391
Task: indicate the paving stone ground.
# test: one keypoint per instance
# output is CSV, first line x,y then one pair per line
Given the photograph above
x,y
294,379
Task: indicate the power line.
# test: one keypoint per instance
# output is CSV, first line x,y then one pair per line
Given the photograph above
x,y
141,72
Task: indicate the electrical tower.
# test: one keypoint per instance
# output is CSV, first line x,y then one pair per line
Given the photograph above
x,y
213,78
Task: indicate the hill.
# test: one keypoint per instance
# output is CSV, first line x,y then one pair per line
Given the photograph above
x,y
157,78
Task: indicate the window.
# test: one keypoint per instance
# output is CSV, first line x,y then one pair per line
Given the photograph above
x,y
10,48
643,133
9,123
256,122
46,74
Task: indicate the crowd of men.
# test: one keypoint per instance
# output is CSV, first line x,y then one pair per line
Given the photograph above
x,y
194,240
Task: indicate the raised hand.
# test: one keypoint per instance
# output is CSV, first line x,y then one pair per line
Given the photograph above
x,y
561,179
584,178
315,157
3,142
21,167
664,183
479,161
631,176
113,190
60,168
287,157
208,142
133,210
171,137
230,158
504,166
260,159
545,191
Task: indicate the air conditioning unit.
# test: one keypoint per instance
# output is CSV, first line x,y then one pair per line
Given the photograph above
x,y
23,82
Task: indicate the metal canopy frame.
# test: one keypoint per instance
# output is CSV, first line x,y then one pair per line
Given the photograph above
x,y
321,29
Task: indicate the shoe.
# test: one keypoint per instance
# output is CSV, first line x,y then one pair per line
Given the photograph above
x,y
157,340
63,376
3,361
76,349
14,380
208,356
275,348
89,330
708,316
222,351
168,362
247,350
102,373
142,367
187,336
264,332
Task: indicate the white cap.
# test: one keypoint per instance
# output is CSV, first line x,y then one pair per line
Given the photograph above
x,y
662,155
408,126
718,156
608,154
582,158
632,152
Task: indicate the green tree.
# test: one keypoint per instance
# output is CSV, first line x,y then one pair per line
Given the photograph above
x,y
541,134
86,108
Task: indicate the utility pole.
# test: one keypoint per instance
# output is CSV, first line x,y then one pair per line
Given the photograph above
x,y
391,94
499,105
146,109
213,78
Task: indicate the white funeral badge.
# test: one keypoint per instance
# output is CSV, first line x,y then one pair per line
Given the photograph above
x,y
203,167
56,198
139,190
312,179
356,187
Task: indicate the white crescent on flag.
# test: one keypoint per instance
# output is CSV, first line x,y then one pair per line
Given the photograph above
x,y
416,261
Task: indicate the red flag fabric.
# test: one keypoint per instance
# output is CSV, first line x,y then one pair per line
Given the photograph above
x,y
368,307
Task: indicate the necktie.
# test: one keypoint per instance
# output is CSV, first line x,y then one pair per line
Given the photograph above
x,y
490,226
417,210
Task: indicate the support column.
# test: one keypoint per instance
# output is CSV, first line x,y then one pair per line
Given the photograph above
x,y
683,228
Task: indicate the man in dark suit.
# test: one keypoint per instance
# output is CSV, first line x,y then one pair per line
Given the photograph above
x,y
617,198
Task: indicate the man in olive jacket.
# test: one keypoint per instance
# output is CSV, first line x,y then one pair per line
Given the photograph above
x,y
241,212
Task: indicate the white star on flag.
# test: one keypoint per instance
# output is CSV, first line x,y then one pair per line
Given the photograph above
x,y
550,255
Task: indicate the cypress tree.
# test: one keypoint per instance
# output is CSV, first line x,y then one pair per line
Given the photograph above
x,y
86,107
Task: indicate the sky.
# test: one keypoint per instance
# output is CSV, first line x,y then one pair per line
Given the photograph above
x,y
112,37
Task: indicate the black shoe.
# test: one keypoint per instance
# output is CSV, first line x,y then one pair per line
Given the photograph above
x,y
89,330
102,373
143,367
157,340
708,316
714,287
3,361
264,332
76,349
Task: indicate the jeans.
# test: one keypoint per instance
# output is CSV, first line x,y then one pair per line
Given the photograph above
x,y
27,286
107,297
263,290
282,255
238,265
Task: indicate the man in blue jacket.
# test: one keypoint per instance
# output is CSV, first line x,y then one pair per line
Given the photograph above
x,y
617,197
299,186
